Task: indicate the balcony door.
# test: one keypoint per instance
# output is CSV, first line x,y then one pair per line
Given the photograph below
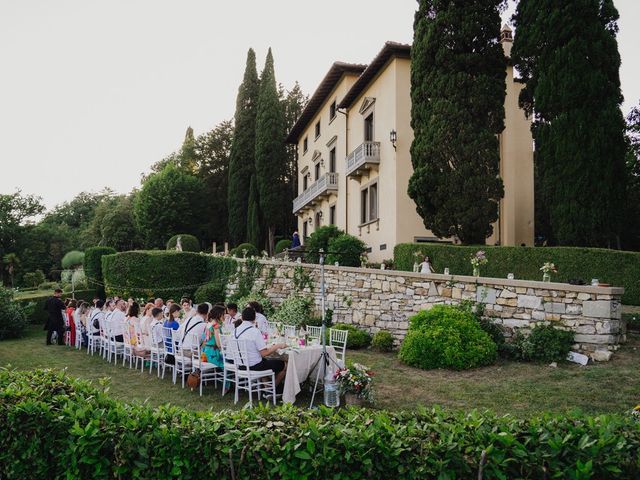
x,y
368,128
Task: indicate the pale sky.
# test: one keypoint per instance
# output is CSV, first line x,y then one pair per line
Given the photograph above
x,y
92,92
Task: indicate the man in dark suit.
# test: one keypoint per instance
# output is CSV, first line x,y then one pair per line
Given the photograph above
x,y
55,322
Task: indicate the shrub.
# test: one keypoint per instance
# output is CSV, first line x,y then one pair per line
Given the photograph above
x,y
252,251
95,436
382,341
320,240
616,267
93,267
33,279
72,259
189,243
12,317
446,337
545,343
346,249
283,245
156,273
295,310
211,292
357,338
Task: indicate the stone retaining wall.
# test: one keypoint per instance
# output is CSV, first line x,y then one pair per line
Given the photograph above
x,y
377,299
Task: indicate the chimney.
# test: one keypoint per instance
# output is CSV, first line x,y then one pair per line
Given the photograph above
x,y
506,39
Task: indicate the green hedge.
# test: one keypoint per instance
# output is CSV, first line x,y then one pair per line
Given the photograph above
x,y
34,304
154,273
93,267
54,427
618,268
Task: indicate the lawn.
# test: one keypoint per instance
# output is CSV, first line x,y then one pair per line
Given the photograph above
x,y
507,387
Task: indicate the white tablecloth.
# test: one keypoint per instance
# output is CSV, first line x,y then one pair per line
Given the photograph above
x,y
302,365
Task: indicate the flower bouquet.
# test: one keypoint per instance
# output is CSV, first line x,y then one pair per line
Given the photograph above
x,y
355,383
546,270
479,258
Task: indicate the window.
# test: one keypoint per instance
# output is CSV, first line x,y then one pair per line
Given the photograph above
x,y
332,160
368,128
305,145
332,111
317,128
305,182
369,203
305,229
317,170
332,215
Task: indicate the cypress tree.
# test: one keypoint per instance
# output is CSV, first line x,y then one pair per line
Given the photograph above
x,y
568,57
254,233
458,71
271,154
242,157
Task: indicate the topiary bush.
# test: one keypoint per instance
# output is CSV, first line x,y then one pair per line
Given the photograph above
x,y
382,341
615,267
189,243
283,245
72,259
12,317
239,251
213,292
545,343
346,249
155,273
93,267
357,338
446,337
295,310
320,240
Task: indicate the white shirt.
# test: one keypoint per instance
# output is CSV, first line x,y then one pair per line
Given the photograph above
x,y
425,267
261,323
118,319
194,326
155,332
248,332
96,314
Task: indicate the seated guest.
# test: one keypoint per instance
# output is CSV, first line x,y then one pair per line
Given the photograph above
x,y
257,347
80,320
155,326
232,316
133,324
211,337
172,323
71,308
96,318
145,323
194,326
187,310
119,320
261,320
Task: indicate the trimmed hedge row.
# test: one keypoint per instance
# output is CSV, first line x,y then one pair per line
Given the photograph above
x,y
165,274
55,427
618,268
36,313
93,267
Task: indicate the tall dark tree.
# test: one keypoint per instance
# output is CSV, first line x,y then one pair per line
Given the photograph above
x,y
293,102
458,71
254,230
567,54
631,232
242,158
212,150
271,155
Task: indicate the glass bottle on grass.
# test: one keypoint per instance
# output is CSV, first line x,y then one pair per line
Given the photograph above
x,y
331,393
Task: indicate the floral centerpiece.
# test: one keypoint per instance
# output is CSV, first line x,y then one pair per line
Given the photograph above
x,y
477,259
355,382
546,270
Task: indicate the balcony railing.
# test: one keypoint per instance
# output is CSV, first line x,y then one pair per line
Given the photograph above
x,y
321,187
362,158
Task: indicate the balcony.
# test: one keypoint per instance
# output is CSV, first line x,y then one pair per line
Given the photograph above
x,y
363,158
322,187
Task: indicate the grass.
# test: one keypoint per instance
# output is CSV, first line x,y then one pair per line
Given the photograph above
x,y
516,388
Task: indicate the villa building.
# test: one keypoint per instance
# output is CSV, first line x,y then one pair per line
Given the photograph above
x,y
354,164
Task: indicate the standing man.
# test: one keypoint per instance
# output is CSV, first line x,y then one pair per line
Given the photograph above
x,y
55,322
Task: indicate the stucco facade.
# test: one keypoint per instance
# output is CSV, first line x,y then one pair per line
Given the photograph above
x,y
354,175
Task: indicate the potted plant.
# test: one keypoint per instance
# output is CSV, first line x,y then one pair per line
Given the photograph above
x,y
546,270
355,383
479,258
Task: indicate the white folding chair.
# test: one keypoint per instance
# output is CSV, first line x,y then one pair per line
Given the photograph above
x,y
338,340
258,381
289,330
115,347
157,351
183,362
274,326
127,348
167,346
208,371
67,331
229,371
80,329
314,332
94,342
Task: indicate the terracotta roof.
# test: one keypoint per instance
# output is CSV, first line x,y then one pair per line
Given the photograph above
x,y
390,50
328,83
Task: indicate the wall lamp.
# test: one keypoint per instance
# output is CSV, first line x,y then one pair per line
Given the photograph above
x,y
393,138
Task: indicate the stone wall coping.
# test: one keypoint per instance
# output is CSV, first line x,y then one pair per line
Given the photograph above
x,y
488,281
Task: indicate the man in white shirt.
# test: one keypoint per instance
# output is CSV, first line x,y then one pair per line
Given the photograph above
x,y
118,320
187,310
231,316
96,318
257,347
194,326
261,320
